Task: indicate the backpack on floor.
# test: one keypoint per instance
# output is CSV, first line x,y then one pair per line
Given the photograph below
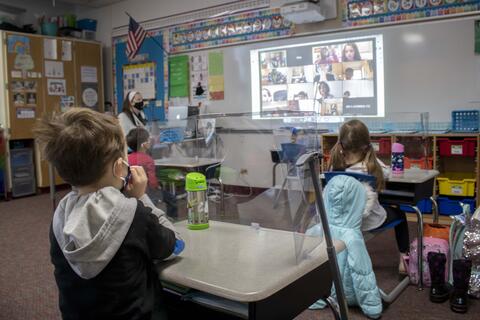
x,y
429,245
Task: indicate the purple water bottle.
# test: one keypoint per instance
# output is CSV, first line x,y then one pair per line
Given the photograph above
x,y
397,158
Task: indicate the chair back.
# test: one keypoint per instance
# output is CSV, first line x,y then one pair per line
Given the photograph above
x,y
362,177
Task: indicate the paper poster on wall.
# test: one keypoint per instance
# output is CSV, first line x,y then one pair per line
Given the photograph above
x,y
56,87
54,69
66,102
25,113
90,95
66,50
18,44
17,86
178,80
31,98
140,77
88,74
215,76
18,99
24,62
30,85
16,74
198,77
50,49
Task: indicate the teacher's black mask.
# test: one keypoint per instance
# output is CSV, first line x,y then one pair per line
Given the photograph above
x,y
139,105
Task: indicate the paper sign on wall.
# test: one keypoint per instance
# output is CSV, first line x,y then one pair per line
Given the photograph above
x,y
18,44
25,113
90,95
88,74
67,102
67,50
141,78
56,87
54,69
50,49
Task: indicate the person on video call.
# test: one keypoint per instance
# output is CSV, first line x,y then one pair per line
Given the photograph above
x,y
348,74
324,90
350,52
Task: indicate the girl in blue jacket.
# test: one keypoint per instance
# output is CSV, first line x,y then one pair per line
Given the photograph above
x,y
353,152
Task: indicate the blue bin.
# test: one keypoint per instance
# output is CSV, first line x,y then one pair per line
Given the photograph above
x,y
447,206
87,24
424,205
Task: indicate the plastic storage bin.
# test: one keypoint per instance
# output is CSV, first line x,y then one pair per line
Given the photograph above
x,y
457,184
87,24
448,206
21,157
463,147
382,146
424,205
418,163
465,121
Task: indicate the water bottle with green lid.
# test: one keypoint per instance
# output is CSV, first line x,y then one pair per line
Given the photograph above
x,y
197,201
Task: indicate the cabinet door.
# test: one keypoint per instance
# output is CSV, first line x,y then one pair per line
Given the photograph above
x,y
88,74
25,85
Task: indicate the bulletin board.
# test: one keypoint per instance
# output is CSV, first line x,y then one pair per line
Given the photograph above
x,y
26,87
146,73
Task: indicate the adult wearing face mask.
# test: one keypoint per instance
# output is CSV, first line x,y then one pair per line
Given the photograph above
x,y
132,115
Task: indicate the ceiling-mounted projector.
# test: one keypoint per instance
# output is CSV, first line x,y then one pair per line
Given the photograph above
x,y
305,11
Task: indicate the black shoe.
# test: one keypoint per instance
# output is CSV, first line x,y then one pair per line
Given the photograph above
x,y
461,277
439,290
459,301
440,293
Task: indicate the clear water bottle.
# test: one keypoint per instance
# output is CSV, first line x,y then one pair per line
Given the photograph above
x,y
197,201
398,152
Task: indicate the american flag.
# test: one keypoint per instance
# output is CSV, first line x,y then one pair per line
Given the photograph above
x,y
136,35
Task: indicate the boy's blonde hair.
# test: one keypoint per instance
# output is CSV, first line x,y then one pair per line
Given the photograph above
x,y
80,143
354,138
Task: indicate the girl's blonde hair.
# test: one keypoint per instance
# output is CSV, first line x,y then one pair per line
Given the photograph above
x,y
354,138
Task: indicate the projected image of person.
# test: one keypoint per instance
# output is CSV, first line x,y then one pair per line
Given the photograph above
x,y
277,77
324,91
350,52
266,95
348,74
302,95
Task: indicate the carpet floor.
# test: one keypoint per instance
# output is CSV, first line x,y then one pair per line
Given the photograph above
x,y
28,290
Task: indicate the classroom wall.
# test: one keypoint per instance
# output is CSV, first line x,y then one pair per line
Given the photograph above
x,y
113,16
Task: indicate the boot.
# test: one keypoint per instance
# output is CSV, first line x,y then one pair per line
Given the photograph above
x,y
439,290
461,277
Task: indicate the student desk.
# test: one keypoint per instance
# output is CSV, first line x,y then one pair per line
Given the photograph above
x,y
408,189
254,269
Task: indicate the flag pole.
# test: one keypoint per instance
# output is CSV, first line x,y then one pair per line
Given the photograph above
x,y
153,38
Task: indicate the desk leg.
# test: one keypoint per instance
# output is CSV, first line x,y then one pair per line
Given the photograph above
x,y
274,174
434,209
419,246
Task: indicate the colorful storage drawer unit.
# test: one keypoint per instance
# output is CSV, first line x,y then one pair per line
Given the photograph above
x,y
460,184
382,146
450,147
424,206
448,206
418,163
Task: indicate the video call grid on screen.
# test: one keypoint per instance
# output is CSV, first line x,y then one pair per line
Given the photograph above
x,y
335,78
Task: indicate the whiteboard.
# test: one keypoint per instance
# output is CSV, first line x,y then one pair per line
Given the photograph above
x,y
428,66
